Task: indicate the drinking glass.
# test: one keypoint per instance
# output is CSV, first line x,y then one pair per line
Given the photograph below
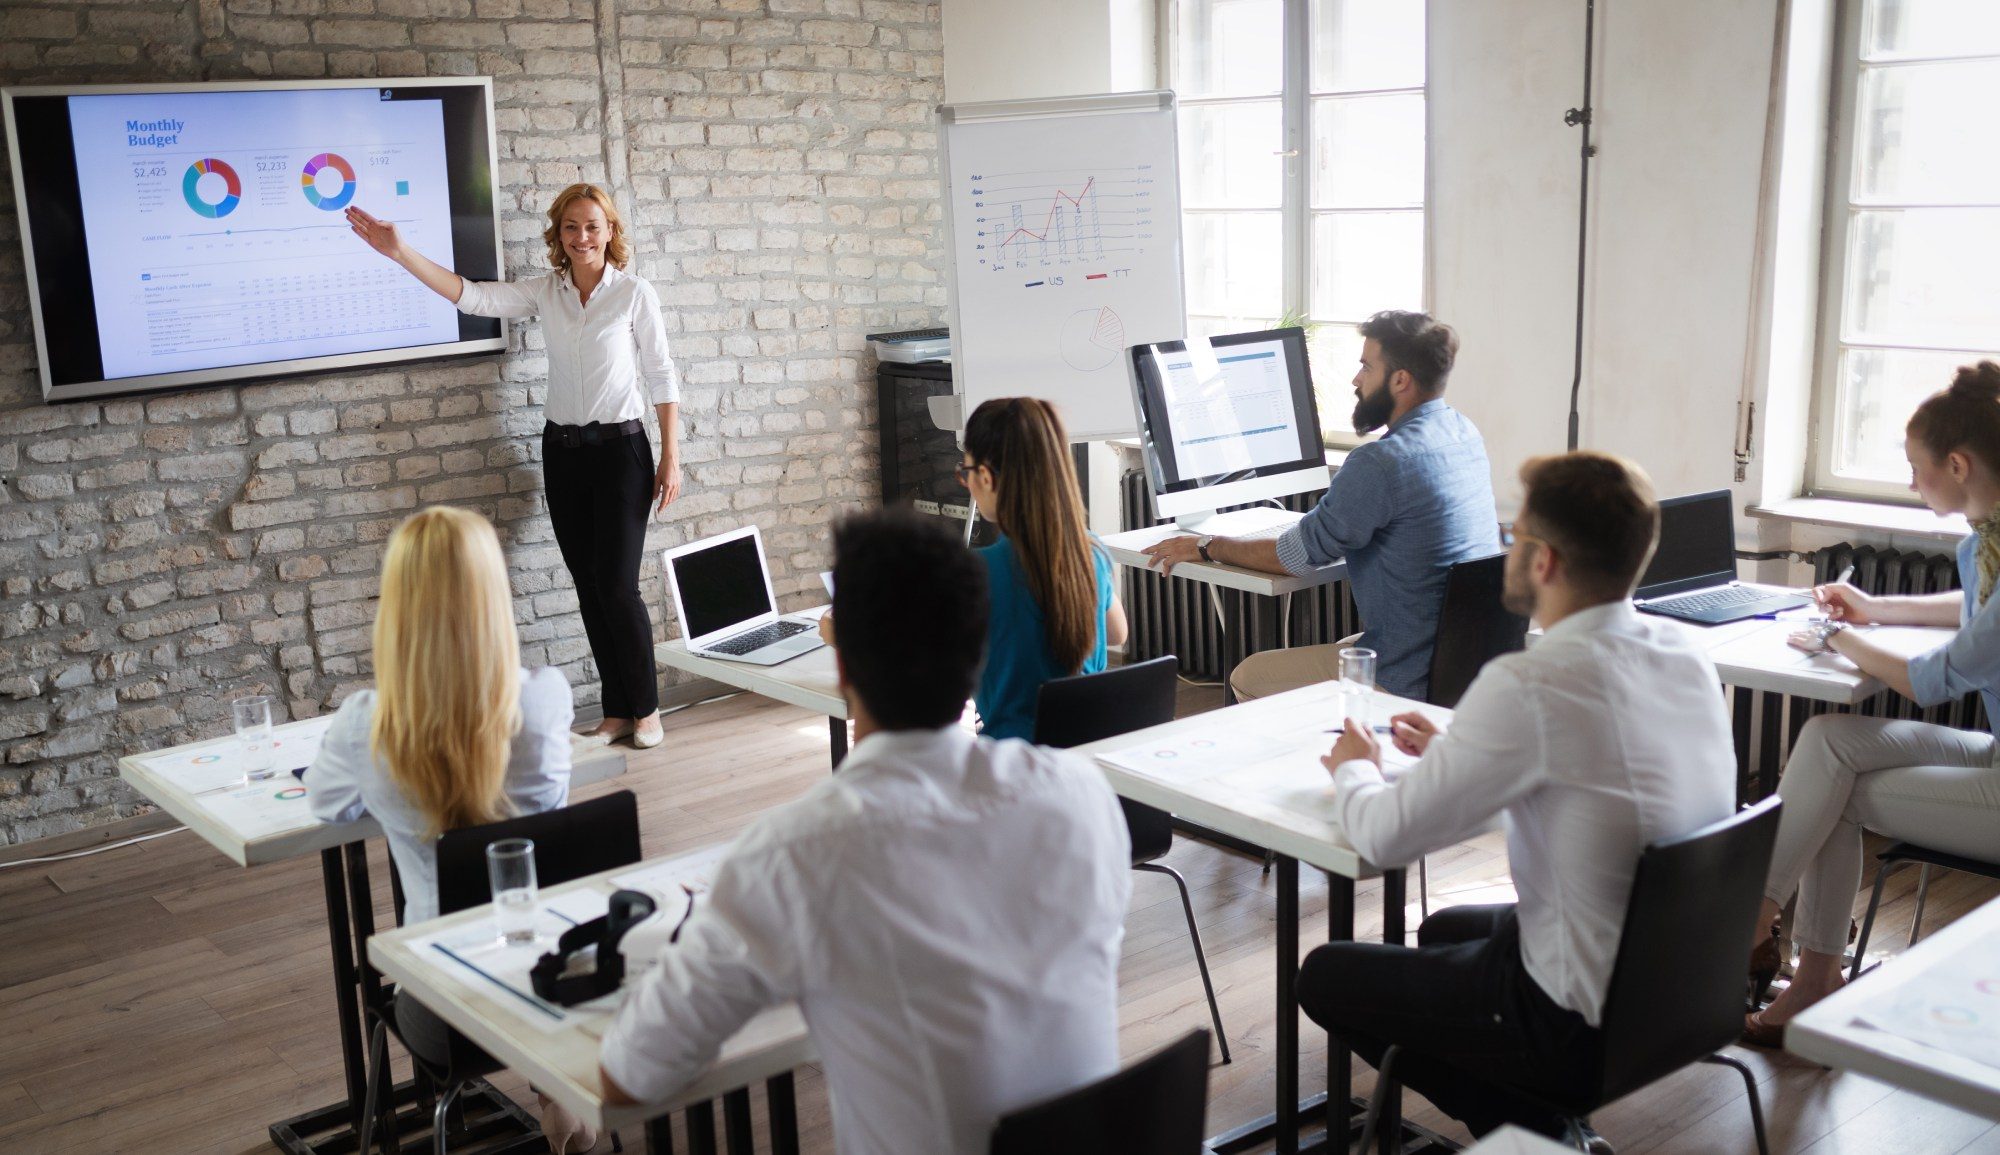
x,y
510,869
1357,685
253,736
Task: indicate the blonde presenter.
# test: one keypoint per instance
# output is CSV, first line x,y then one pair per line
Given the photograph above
x,y
607,348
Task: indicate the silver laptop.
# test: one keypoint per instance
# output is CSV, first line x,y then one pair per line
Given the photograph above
x,y
722,590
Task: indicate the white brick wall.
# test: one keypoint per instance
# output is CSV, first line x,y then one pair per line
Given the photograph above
x,y
161,555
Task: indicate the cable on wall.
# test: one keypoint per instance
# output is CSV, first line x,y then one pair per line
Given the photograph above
x,y
1575,118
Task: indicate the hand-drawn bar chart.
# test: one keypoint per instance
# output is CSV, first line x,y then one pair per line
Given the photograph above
x,y
1062,215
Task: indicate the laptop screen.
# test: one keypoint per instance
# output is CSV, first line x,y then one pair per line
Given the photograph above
x,y
721,585
1697,545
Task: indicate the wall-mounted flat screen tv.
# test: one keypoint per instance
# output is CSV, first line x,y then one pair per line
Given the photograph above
x,y
181,235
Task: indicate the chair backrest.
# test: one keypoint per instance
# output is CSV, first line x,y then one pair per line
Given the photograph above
x,y
1676,991
1087,707
1473,627
1158,1105
569,843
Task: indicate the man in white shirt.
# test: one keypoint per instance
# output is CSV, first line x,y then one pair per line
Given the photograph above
x,y
1607,735
946,910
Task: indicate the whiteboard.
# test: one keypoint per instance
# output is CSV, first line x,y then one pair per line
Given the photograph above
x,y
1064,226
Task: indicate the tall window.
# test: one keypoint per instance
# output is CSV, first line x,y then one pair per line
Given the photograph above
x,y
1913,229
1302,173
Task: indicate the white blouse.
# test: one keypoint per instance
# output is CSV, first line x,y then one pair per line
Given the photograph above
x,y
345,781
600,353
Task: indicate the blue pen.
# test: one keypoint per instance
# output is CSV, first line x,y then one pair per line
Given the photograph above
x,y
1379,728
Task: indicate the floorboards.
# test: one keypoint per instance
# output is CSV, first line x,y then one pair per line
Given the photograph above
x,y
159,998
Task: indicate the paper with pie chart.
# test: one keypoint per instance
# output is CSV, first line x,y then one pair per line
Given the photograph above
x,y
217,764
1955,1007
216,233
1064,222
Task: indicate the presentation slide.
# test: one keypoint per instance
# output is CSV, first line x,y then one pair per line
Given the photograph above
x,y
1229,408
214,230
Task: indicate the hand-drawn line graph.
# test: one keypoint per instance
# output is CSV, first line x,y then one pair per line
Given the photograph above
x,y
1026,214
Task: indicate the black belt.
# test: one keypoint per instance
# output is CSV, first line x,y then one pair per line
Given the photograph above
x,y
595,433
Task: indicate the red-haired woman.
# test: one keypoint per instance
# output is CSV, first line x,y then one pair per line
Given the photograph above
x,y
607,349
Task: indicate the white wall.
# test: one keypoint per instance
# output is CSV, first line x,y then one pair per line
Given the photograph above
x,y
1017,49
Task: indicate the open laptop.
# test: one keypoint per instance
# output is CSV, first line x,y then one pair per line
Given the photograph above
x,y
722,589
1693,573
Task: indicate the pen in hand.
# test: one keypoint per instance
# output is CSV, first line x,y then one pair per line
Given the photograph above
x,y
1379,728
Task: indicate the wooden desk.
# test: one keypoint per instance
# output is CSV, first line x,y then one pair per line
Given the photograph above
x,y
268,821
1830,1032
561,1061
1261,782
810,681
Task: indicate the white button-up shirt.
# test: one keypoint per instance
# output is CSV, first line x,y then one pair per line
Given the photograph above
x,y
346,780
606,359
947,912
1606,735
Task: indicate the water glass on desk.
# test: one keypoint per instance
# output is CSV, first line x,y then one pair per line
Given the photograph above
x,y
510,869
253,737
1357,685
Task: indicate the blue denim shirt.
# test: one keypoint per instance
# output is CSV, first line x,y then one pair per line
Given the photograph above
x,y
1402,511
1971,660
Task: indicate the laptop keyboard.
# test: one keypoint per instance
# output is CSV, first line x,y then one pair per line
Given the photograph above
x,y
1723,598
758,638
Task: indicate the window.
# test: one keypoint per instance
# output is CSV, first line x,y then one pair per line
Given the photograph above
x,y
1302,175
1912,226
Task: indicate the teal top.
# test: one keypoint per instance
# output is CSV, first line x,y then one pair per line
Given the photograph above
x,y
1017,645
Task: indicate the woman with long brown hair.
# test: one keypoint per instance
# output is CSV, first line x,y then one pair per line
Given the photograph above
x,y
1054,611
1929,784
607,350
455,733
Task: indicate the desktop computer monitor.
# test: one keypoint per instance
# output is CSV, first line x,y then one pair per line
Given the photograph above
x,y
1227,421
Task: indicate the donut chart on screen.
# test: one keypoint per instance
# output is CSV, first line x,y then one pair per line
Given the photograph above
x,y
232,188
309,181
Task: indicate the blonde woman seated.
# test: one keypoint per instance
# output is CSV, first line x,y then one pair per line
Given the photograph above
x,y
455,733
1932,785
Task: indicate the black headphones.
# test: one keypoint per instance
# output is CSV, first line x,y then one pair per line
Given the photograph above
x,y
586,963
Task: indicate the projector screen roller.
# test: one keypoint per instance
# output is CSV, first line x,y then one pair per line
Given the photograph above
x,y
179,236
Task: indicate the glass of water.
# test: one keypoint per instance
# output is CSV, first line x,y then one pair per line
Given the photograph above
x,y
1357,685
510,868
253,736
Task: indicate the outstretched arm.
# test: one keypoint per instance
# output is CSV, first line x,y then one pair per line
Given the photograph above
x,y
382,236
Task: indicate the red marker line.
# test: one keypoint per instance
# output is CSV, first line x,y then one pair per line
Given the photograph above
x,y
1076,200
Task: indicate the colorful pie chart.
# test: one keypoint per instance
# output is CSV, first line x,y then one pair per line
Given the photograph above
x,y
230,187
318,193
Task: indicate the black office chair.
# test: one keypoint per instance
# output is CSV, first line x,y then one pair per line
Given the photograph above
x,y
1676,994
1903,854
1157,1105
1474,628
1089,707
570,843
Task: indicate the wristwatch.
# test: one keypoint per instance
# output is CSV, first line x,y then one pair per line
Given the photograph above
x,y
1201,546
1824,632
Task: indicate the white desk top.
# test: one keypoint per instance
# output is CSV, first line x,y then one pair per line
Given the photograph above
x,y
1126,549
268,821
1512,1140
560,1059
809,681
1258,775
1946,983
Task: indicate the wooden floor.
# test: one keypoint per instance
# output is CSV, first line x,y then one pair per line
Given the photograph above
x,y
159,998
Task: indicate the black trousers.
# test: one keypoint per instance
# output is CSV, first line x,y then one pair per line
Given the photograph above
x,y
598,496
1469,1018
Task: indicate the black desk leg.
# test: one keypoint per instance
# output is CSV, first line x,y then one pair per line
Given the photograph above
x,y
1288,1005
345,980
1339,1060
701,1128
1395,897
736,1123
836,732
783,1103
1741,703
659,1135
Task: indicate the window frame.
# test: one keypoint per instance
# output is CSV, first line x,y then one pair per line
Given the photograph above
x,y
1837,219
1296,212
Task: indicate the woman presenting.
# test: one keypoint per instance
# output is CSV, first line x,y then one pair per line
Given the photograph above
x,y
607,347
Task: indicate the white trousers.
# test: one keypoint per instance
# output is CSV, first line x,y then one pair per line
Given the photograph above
x,y
1912,781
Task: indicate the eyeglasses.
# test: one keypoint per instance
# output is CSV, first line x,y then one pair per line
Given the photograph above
x,y
1511,534
964,474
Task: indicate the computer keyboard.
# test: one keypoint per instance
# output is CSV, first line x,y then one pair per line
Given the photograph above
x,y
1721,598
1268,533
758,638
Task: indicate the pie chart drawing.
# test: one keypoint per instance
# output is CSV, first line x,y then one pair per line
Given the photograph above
x,y
328,181
1092,338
